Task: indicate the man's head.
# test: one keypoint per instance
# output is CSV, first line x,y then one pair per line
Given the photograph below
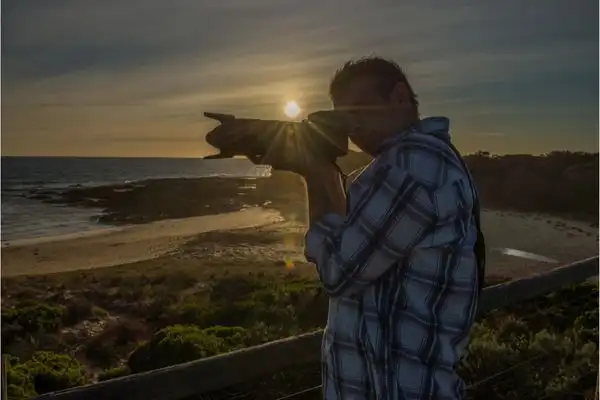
x,y
379,98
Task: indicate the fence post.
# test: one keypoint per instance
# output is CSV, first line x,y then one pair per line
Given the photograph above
x,y
4,384
597,387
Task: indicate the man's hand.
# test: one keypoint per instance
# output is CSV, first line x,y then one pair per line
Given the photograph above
x,y
286,153
303,166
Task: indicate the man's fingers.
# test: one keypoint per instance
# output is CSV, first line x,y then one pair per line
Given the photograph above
x,y
255,159
278,163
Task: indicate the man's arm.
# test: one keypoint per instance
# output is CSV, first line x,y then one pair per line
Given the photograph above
x,y
392,217
325,191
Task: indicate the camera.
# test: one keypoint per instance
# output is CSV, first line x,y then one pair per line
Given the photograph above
x,y
324,134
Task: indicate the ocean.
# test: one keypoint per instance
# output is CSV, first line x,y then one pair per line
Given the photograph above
x,y
24,218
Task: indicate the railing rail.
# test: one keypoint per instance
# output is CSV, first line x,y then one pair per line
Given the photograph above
x,y
225,370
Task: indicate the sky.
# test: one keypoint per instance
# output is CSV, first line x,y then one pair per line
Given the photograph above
x,y
132,78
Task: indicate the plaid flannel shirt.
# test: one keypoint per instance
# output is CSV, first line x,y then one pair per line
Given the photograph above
x,y
401,273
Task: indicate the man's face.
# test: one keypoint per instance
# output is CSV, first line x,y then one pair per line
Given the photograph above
x,y
374,116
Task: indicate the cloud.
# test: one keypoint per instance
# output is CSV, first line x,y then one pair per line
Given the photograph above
x,y
493,134
81,69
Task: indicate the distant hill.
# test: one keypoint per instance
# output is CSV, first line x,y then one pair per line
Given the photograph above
x,y
560,183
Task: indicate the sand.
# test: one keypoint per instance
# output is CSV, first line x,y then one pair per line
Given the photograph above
x,y
562,240
123,245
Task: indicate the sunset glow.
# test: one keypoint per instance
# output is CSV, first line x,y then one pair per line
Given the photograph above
x,y
71,87
292,109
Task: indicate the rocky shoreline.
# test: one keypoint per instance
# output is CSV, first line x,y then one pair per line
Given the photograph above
x,y
155,200
560,184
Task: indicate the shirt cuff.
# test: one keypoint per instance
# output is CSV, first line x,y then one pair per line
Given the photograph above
x,y
319,238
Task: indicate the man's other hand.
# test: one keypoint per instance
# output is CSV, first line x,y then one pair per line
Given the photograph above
x,y
287,152
304,165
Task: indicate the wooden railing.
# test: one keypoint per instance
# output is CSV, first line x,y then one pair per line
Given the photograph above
x,y
226,370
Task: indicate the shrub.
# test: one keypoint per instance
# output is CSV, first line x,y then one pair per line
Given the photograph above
x,y
20,382
99,313
104,349
113,373
181,343
509,361
232,289
44,372
35,318
23,322
231,314
233,336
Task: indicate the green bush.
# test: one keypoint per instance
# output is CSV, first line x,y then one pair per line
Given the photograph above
x,y
181,343
233,336
112,373
44,372
233,314
35,318
509,355
544,348
99,313
232,289
20,382
292,306
104,349
30,320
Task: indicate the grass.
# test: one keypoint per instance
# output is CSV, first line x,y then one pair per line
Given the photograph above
x,y
64,330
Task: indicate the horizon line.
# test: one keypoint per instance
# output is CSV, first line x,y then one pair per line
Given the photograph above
x,y
241,157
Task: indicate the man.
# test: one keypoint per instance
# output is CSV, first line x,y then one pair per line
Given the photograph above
x,y
398,255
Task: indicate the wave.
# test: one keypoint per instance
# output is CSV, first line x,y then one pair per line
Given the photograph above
x,y
27,186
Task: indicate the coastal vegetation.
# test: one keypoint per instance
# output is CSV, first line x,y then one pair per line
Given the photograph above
x,y
68,329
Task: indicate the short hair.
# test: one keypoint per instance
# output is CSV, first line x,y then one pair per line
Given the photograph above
x,y
387,74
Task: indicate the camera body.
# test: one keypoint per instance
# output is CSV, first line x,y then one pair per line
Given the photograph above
x,y
324,134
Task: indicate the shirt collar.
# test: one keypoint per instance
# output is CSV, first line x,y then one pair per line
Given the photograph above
x,y
438,126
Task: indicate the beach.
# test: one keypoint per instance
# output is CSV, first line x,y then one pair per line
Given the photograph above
x,y
241,235
157,219
119,245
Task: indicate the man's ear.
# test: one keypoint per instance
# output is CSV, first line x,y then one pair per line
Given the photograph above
x,y
400,93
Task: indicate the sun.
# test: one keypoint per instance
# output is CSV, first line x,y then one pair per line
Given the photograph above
x,y
292,109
